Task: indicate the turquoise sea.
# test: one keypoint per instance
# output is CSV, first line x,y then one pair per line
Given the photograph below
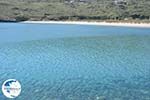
x,y
76,62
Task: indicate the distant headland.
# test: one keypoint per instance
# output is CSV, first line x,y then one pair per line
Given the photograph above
x,y
128,11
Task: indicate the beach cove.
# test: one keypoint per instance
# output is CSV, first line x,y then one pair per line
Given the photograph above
x,y
73,61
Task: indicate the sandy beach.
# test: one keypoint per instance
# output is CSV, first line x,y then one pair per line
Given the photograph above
x,y
144,25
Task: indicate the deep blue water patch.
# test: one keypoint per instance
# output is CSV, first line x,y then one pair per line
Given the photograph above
x,y
76,62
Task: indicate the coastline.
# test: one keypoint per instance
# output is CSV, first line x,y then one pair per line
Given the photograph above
x,y
122,24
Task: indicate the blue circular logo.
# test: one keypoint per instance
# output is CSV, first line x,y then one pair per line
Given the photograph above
x,y
11,88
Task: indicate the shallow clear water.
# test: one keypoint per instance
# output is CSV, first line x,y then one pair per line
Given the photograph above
x,y
76,62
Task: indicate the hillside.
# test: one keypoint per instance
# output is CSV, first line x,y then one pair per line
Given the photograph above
x,y
98,10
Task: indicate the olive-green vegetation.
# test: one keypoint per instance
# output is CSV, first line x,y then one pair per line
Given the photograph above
x,y
98,10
